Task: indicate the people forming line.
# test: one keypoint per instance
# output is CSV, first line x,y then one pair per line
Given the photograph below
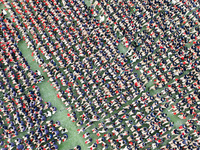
x,y
104,90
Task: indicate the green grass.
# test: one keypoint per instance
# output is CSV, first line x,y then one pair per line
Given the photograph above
x,y
122,48
48,94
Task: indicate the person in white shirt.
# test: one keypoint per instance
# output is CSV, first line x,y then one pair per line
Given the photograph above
x,y
4,13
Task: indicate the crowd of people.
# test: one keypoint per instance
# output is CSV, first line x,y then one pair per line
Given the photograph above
x,y
105,91
21,107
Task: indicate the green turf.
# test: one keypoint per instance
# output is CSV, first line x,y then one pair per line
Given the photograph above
x,y
122,48
48,94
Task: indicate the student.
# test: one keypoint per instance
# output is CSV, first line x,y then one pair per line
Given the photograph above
x,y
78,147
3,13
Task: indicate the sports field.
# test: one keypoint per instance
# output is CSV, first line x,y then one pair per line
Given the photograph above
x,y
49,94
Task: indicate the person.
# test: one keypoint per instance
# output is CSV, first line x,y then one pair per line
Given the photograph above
x,y
41,79
4,13
37,73
78,147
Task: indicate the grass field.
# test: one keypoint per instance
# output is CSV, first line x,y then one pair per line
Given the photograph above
x,y
48,94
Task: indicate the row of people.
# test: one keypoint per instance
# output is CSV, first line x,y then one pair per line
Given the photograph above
x,y
101,77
